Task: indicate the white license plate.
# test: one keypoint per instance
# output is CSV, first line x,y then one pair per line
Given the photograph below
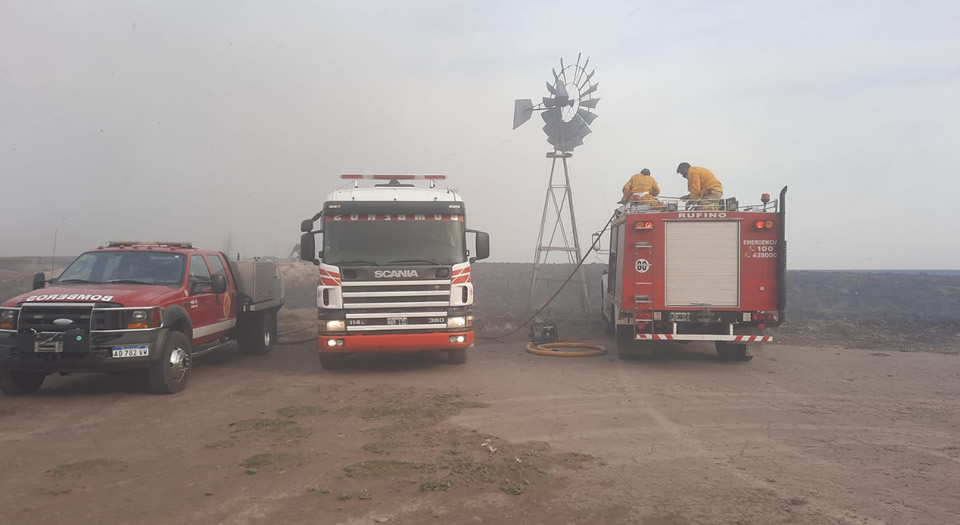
x,y
120,352
396,321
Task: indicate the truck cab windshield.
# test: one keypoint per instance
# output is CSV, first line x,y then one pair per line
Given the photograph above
x,y
380,243
125,267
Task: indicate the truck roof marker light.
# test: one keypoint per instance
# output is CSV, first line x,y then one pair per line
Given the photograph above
x,y
351,177
765,198
643,225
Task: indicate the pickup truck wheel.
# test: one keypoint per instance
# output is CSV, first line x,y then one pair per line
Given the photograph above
x,y
170,374
332,361
259,336
732,352
18,382
626,344
457,356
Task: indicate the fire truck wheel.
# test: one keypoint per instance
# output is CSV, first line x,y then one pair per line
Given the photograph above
x,y
457,356
170,373
18,382
732,352
259,335
626,345
332,361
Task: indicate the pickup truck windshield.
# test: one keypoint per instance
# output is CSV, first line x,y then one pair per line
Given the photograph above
x,y
125,267
401,243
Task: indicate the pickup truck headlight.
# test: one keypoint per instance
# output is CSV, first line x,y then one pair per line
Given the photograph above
x,y
142,319
8,319
460,322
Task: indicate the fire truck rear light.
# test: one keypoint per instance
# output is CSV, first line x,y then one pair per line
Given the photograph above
x,y
762,326
769,225
760,224
641,325
765,316
643,225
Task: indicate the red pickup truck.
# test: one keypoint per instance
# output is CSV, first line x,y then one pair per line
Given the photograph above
x,y
134,306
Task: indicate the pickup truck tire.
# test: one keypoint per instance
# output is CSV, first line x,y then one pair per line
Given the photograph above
x,y
170,373
332,361
18,382
259,335
732,351
457,356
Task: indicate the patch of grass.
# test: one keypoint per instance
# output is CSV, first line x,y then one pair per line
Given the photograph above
x,y
301,410
365,495
436,486
253,390
318,490
272,461
344,497
515,489
381,467
264,427
383,447
87,467
223,443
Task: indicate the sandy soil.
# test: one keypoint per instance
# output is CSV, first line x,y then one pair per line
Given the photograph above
x,y
799,435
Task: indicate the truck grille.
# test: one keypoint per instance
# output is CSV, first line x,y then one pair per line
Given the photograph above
x,y
42,317
396,305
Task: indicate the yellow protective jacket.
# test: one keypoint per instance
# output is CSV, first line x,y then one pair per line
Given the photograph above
x,y
699,180
641,183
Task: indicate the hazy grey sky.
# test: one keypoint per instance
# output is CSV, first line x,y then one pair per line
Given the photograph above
x,y
192,120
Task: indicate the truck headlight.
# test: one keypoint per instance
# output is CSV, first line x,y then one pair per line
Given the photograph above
x,y
8,319
142,319
460,322
336,325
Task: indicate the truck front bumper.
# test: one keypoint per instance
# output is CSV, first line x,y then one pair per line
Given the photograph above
x,y
398,342
92,353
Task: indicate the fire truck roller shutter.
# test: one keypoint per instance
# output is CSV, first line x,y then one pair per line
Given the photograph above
x,y
702,263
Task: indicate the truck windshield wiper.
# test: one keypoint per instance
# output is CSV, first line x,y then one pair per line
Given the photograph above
x,y
368,263
126,281
77,281
413,261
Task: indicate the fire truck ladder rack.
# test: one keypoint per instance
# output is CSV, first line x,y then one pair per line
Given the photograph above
x,y
559,199
675,204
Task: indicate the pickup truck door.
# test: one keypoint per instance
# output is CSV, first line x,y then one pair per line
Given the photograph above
x,y
227,301
202,305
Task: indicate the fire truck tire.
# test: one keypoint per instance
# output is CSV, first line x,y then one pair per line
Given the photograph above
x,y
259,335
170,373
732,352
457,356
332,361
19,382
626,345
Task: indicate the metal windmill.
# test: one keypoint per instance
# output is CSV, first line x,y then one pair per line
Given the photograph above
x,y
567,114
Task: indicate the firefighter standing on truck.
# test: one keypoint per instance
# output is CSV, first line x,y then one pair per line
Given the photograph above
x,y
643,184
702,185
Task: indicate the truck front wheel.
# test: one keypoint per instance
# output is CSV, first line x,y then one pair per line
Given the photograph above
x,y
170,373
732,351
457,356
259,334
18,382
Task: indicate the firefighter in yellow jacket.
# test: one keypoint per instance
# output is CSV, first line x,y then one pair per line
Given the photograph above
x,y
701,183
644,185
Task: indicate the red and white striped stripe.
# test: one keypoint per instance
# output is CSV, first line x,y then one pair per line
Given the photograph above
x,y
392,177
706,337
461,276
329,278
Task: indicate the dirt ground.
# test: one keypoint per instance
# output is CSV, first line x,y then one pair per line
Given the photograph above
x,y
799,435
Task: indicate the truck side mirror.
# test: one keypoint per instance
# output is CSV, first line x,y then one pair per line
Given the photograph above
x,y
306,225
308,248
218,282
483,246
39,280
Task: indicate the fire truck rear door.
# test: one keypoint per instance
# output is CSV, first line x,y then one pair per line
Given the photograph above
x,y
702,263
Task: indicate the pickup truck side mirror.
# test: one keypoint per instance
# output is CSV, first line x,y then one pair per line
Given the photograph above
x,y
39,280
203,286
218,283
483,246
308,248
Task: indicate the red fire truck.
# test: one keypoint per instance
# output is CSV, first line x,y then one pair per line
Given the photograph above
x,y
394,268
688,271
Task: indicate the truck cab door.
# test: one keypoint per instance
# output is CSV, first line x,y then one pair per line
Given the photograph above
x,y
202,304
226,313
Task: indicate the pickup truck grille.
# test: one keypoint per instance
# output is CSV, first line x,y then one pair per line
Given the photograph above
x,y
406,306
41,318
